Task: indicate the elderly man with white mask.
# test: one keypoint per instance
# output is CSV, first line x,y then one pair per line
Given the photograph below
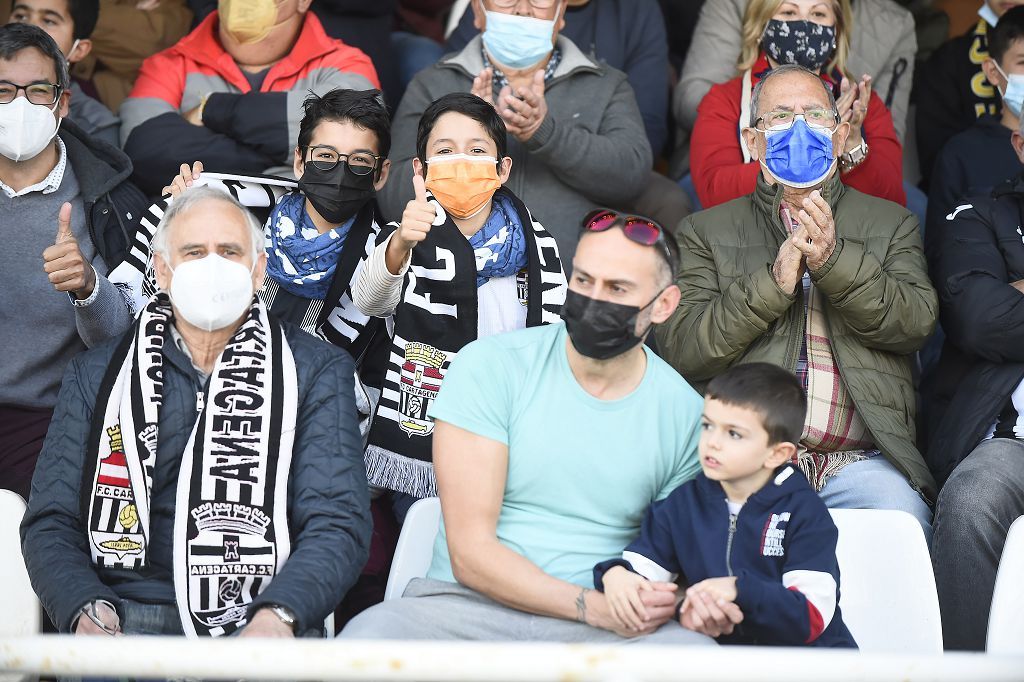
x,y
203,474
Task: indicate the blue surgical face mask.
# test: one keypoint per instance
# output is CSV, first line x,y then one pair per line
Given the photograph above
x,y
517,42
1013,97
800,156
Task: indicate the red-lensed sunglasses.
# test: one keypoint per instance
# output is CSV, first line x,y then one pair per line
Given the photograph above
x,y
636,228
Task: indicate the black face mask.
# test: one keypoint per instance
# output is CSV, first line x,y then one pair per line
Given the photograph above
x,y
800,42
337,194
601,329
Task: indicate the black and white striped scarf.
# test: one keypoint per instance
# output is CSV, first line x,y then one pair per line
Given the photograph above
x,y
436,317
134,275
231,518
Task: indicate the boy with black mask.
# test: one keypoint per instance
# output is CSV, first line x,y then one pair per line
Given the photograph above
x,y
318,234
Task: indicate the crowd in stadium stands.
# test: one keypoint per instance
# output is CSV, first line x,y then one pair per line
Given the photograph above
x,y
638,288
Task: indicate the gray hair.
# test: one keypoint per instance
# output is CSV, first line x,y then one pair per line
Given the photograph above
x,y
17,37
190,199
755,98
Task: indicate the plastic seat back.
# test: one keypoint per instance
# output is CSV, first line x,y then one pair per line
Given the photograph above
x,y
415,546
887,586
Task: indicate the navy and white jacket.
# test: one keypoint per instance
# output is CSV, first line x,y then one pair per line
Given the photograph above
x,y
781,547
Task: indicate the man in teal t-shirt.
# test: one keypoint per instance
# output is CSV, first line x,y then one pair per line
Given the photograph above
x,y
549,445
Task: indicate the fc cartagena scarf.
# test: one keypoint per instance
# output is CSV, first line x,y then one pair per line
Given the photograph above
x,y
435,318
231,523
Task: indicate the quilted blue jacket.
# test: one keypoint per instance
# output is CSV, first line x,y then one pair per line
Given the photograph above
x,y
328,499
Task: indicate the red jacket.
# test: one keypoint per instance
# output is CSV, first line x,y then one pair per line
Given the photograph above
x,y
243,130
716,158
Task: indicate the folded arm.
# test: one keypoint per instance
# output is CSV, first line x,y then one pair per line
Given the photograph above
x,y
981,312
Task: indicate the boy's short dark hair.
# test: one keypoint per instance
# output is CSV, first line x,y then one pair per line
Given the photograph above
x,y
1009,30
17,37
770,391
468,105
84,14
365,108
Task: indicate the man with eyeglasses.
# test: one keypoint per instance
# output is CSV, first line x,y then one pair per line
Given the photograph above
x,y
576,136
66,207
822,280
549,444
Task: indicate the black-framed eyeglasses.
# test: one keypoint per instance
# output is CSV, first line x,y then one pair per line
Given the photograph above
x,y
824,119
637,228
42,93
326,158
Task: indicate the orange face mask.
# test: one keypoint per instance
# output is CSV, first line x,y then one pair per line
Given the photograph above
x,y
461,183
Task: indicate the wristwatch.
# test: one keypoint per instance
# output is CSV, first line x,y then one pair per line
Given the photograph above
x,y
286,616
854,157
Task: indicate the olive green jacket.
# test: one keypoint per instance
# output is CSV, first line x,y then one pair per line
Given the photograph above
x,y
880,305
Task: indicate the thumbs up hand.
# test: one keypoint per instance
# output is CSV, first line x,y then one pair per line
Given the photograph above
x,y
64,263
417,220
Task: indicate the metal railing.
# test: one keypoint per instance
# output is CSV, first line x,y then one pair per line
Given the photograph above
x,y
279,659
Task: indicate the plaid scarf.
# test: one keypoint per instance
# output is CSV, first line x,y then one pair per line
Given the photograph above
x,y
834,434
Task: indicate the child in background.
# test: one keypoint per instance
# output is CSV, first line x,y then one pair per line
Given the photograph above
x,y
748,529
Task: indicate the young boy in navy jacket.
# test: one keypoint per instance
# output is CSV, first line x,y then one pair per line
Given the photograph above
x,y
748,529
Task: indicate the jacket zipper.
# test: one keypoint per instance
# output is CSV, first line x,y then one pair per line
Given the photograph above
x,y
728,544
200,401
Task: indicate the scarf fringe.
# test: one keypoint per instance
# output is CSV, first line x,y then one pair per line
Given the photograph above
x,y
387,469
819,467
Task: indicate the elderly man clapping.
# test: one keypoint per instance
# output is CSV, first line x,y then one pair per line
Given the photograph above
x,y
811,275
203,474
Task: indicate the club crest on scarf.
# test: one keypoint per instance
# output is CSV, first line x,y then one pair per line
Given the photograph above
x,y
227,556
422,373
117,519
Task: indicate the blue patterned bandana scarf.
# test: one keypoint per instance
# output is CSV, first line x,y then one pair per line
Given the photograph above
x,y
500,245
300,259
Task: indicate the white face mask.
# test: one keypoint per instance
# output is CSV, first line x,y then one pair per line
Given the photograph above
x,y
1013,95
211,292
26,128
986,13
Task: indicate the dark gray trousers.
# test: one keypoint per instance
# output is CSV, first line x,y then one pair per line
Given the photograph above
x,y
976,506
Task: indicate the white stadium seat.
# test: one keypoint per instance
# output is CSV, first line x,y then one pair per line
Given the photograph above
x,y
415,546
1006,618
22,614
887,587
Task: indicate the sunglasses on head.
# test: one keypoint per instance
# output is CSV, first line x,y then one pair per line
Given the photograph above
x,y
637,229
